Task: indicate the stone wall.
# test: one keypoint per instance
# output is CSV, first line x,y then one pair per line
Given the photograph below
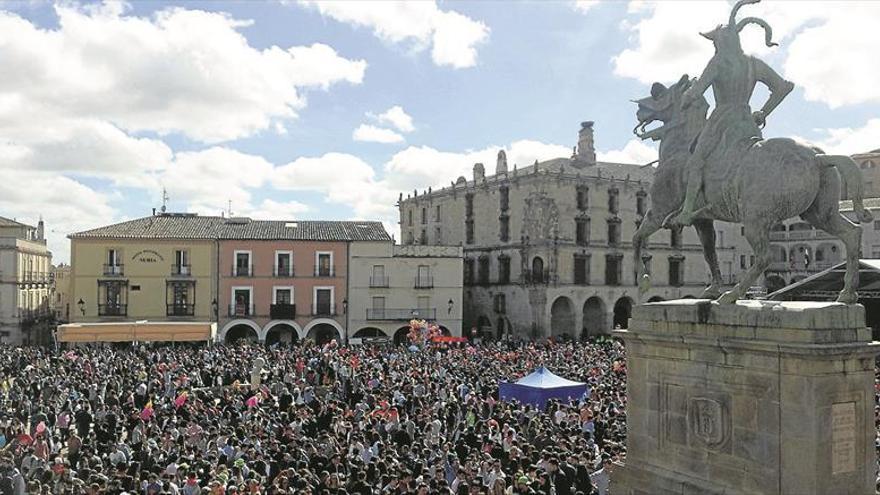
x,y
752,398
542,213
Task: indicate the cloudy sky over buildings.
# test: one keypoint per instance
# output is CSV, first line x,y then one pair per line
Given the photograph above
x,y
311,110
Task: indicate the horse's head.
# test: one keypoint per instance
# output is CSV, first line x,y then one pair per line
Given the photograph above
x,y
664,105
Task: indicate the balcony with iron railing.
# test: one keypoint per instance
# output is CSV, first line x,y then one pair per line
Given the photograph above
x,y
324,310
113,310
180,270
424,282
180,309
325,271
241,310
35,277
530,277
242,271
282,311
282,271
116,270
800,235
401,314
379,281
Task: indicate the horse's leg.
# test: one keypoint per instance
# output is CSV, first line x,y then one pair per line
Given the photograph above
x,y
824,213
706,231
758,235
648,227
837,225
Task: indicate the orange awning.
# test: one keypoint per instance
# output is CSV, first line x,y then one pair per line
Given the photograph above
x,y
138,331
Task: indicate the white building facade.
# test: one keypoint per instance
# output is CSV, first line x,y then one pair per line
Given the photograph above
x,y
389,285
26,315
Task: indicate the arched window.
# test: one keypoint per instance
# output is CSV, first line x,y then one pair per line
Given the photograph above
x,y
538,270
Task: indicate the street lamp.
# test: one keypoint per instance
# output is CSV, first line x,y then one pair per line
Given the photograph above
x,y
449,307
344,306
82,306
215,308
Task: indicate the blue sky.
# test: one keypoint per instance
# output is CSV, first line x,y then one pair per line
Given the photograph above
x,y
259,102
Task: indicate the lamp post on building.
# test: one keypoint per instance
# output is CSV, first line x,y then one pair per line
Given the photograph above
x,y
449,306
82,306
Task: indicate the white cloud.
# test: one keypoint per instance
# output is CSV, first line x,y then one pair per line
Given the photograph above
x,y
94,95
453,37
665,44
179,71
851,75
421,166
584,6
397,117
214,176
373,134
849,141
267,209
666,40
353,183
65,205
634,151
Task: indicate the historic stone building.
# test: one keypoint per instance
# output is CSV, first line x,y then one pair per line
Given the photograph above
x,y
870,164
25,284
800,250
548,246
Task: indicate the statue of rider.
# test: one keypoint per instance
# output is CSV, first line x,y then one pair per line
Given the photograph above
x,y
732,75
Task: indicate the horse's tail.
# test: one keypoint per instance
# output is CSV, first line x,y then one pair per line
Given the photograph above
x,y
852,179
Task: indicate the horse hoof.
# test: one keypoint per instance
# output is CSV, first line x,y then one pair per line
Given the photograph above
x,y
848,297
728,297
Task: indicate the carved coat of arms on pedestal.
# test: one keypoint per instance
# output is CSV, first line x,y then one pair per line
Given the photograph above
x,y
708,422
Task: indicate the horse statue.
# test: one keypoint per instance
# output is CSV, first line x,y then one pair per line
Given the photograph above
x,y
758,185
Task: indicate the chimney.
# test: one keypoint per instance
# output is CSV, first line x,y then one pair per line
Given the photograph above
x,y
479,172
501,165
154,212
585,149
41,230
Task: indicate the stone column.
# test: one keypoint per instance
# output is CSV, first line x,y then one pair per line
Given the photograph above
x,y
754,398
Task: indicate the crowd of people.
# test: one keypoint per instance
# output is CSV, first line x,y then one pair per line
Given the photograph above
x,y
306,419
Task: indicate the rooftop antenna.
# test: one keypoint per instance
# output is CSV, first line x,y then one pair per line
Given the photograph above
x,y
164,200
229,208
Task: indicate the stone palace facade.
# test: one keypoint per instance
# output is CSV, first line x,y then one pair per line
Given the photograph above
x,y
548,248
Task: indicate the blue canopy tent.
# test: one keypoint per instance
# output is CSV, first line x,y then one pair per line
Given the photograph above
x,y
539,387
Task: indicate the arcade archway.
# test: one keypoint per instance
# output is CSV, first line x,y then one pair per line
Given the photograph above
x,y
594,317
622,312
241,332
281,333
562,317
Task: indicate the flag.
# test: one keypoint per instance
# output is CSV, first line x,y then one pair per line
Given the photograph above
x,y
181,399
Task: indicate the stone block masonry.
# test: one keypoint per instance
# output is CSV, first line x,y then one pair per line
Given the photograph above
x,y
753,398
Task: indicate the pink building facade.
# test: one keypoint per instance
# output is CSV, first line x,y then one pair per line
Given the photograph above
x,y
283,282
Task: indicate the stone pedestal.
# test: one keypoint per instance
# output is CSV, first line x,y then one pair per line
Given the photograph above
x,y
754,398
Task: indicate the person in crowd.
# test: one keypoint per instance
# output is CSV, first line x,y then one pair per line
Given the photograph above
x,y
329,419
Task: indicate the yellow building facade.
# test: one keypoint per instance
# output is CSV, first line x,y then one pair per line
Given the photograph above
x,y
151,271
